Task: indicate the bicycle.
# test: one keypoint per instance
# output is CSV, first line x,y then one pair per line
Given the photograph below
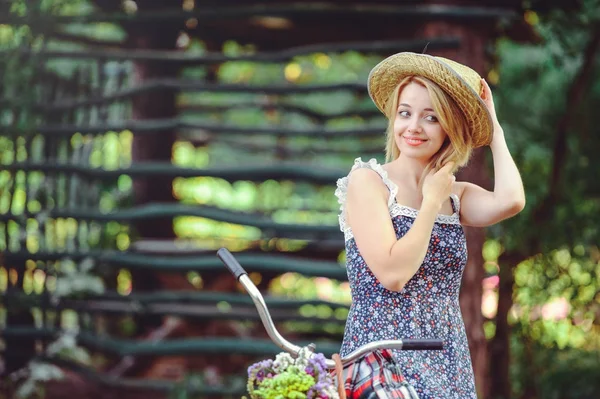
x,y
368,372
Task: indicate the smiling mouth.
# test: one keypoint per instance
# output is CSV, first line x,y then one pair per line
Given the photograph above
x,y
414,141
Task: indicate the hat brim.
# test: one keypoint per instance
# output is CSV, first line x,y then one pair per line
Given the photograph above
x,y
386,76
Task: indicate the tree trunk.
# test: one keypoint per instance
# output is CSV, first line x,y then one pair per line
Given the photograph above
x,y
472,289
500,384
155,147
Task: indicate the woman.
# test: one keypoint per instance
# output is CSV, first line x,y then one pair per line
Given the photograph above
x,y
402,221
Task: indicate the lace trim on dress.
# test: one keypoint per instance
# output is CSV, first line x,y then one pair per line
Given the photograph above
x,y
342,188
394,208
402,210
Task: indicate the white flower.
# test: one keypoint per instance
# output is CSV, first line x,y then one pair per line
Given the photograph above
x,y
282,361
303,355
331,392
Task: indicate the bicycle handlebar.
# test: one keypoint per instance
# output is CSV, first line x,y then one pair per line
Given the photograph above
x,y
242,276
231,262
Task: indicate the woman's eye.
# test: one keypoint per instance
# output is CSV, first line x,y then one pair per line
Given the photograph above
x,y
404,113
431,118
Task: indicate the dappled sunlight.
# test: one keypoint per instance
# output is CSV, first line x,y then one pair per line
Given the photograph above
x,y
197,227
195,279
124,282
3,279
556,309
110,151
292,72
489,301
556,298
294,285
323,61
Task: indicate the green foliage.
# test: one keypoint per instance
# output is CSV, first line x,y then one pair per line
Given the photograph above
x,y
77,281
66,347
24,76
532,103
29,382
570,375
553,373
38,374
532,100
556,332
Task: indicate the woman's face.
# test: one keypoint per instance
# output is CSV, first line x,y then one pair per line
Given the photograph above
x,y
417,132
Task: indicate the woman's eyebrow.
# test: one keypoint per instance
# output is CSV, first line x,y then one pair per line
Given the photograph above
x,y
408,106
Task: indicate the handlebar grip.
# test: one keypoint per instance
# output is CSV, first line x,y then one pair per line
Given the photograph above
x,y
231,263
422,344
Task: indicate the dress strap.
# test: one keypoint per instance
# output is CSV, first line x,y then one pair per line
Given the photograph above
x,y
342,188
455,201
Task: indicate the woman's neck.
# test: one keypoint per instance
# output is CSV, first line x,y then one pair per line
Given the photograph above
x,y
410,170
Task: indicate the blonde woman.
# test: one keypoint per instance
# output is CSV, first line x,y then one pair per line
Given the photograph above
x,y
403,220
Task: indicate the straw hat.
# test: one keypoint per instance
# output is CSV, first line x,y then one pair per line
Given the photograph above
x,y
459,81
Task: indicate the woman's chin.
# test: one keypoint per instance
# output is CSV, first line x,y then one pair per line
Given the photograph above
x,y
415,150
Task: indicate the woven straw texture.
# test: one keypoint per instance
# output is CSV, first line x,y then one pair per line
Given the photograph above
x,y
461,82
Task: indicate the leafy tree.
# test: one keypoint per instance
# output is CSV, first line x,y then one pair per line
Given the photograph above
x,y
548,96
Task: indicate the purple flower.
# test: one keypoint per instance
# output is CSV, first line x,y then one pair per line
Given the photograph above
x,y
317,390
259,369
317,367
318,358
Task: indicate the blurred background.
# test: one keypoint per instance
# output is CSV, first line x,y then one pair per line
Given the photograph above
x,y
138,137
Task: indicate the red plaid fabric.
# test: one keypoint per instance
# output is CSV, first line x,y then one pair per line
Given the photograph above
x,y
376,375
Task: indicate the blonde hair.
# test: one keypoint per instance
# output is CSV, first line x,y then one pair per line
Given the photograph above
x,y
456,148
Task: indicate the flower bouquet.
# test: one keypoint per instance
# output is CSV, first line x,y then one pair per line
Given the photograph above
x,y
305,377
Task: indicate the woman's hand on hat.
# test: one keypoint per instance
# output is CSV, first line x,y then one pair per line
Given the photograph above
x,y
488,99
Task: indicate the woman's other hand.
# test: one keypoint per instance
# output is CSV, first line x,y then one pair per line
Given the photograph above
x,y
488,99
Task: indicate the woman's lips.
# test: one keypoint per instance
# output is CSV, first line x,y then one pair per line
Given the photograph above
x,y
412,141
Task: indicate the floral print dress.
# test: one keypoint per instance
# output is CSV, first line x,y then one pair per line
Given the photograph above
x,y
426,308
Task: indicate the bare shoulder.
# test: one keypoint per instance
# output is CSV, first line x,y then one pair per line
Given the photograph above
x,y
364,176
365,181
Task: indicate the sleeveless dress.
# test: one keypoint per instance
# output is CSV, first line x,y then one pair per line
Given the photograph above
x,y
426,308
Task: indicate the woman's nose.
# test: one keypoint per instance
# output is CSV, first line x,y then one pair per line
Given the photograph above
x,y
415,125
